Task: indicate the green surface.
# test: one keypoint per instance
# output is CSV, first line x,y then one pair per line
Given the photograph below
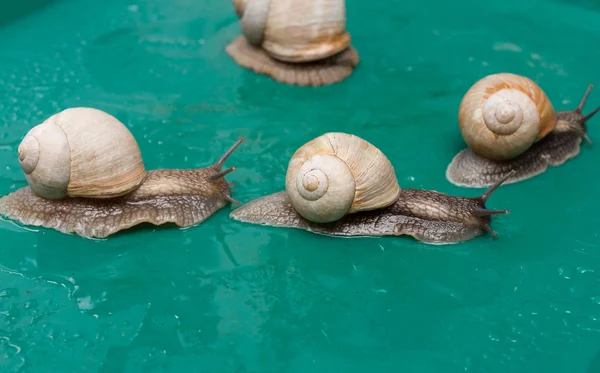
x,y
232,297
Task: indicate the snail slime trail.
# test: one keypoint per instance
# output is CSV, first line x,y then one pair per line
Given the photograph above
x,y
354,193
62,200
295,42
509,124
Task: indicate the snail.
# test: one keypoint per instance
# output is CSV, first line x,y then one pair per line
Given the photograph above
x,y
509,123
339,184
86,175
296,42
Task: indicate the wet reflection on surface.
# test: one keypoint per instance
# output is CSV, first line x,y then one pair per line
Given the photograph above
x,y
226,296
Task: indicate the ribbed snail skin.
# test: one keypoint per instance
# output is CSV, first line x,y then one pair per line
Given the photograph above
x,y
44,157
183,197
106,160
501,115
319,73
428,216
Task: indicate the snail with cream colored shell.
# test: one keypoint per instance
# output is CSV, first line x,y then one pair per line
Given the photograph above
x,y
297,42
86,175
341,185
509,124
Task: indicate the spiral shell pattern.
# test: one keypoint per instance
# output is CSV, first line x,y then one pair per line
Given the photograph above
x,y
502,115
337,174
81,152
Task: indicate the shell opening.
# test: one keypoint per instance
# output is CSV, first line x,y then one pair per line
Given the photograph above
x,y
29,154
253,20
45,157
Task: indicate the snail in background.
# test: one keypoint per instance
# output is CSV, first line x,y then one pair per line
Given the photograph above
x,y
341,185
86,175
297,42
509,123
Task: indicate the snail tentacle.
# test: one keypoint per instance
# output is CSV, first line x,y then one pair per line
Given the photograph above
x,y
579,108
229,198
488,193
222,173
487,212
590,115
221,161
489,229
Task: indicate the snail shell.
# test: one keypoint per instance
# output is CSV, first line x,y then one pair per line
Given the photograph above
x,y
295,30
81,152
503,114
338,174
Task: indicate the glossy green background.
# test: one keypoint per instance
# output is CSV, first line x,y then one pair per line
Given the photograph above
x,y
232,297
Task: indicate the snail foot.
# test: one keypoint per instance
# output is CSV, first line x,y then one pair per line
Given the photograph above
x,y
219,163
318,73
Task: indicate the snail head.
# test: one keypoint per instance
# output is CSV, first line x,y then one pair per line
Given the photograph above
x,y
218,173
575,120
483,214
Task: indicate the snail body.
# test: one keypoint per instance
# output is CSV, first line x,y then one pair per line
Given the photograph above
x,y
296,42
365,200
97,184
509,123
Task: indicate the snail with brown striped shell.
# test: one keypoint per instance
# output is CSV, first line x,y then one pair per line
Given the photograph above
x,y
296,42
509,124
341,185
86,175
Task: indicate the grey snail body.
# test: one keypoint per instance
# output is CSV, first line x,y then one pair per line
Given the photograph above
x,y
341,185
97,184
509,124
